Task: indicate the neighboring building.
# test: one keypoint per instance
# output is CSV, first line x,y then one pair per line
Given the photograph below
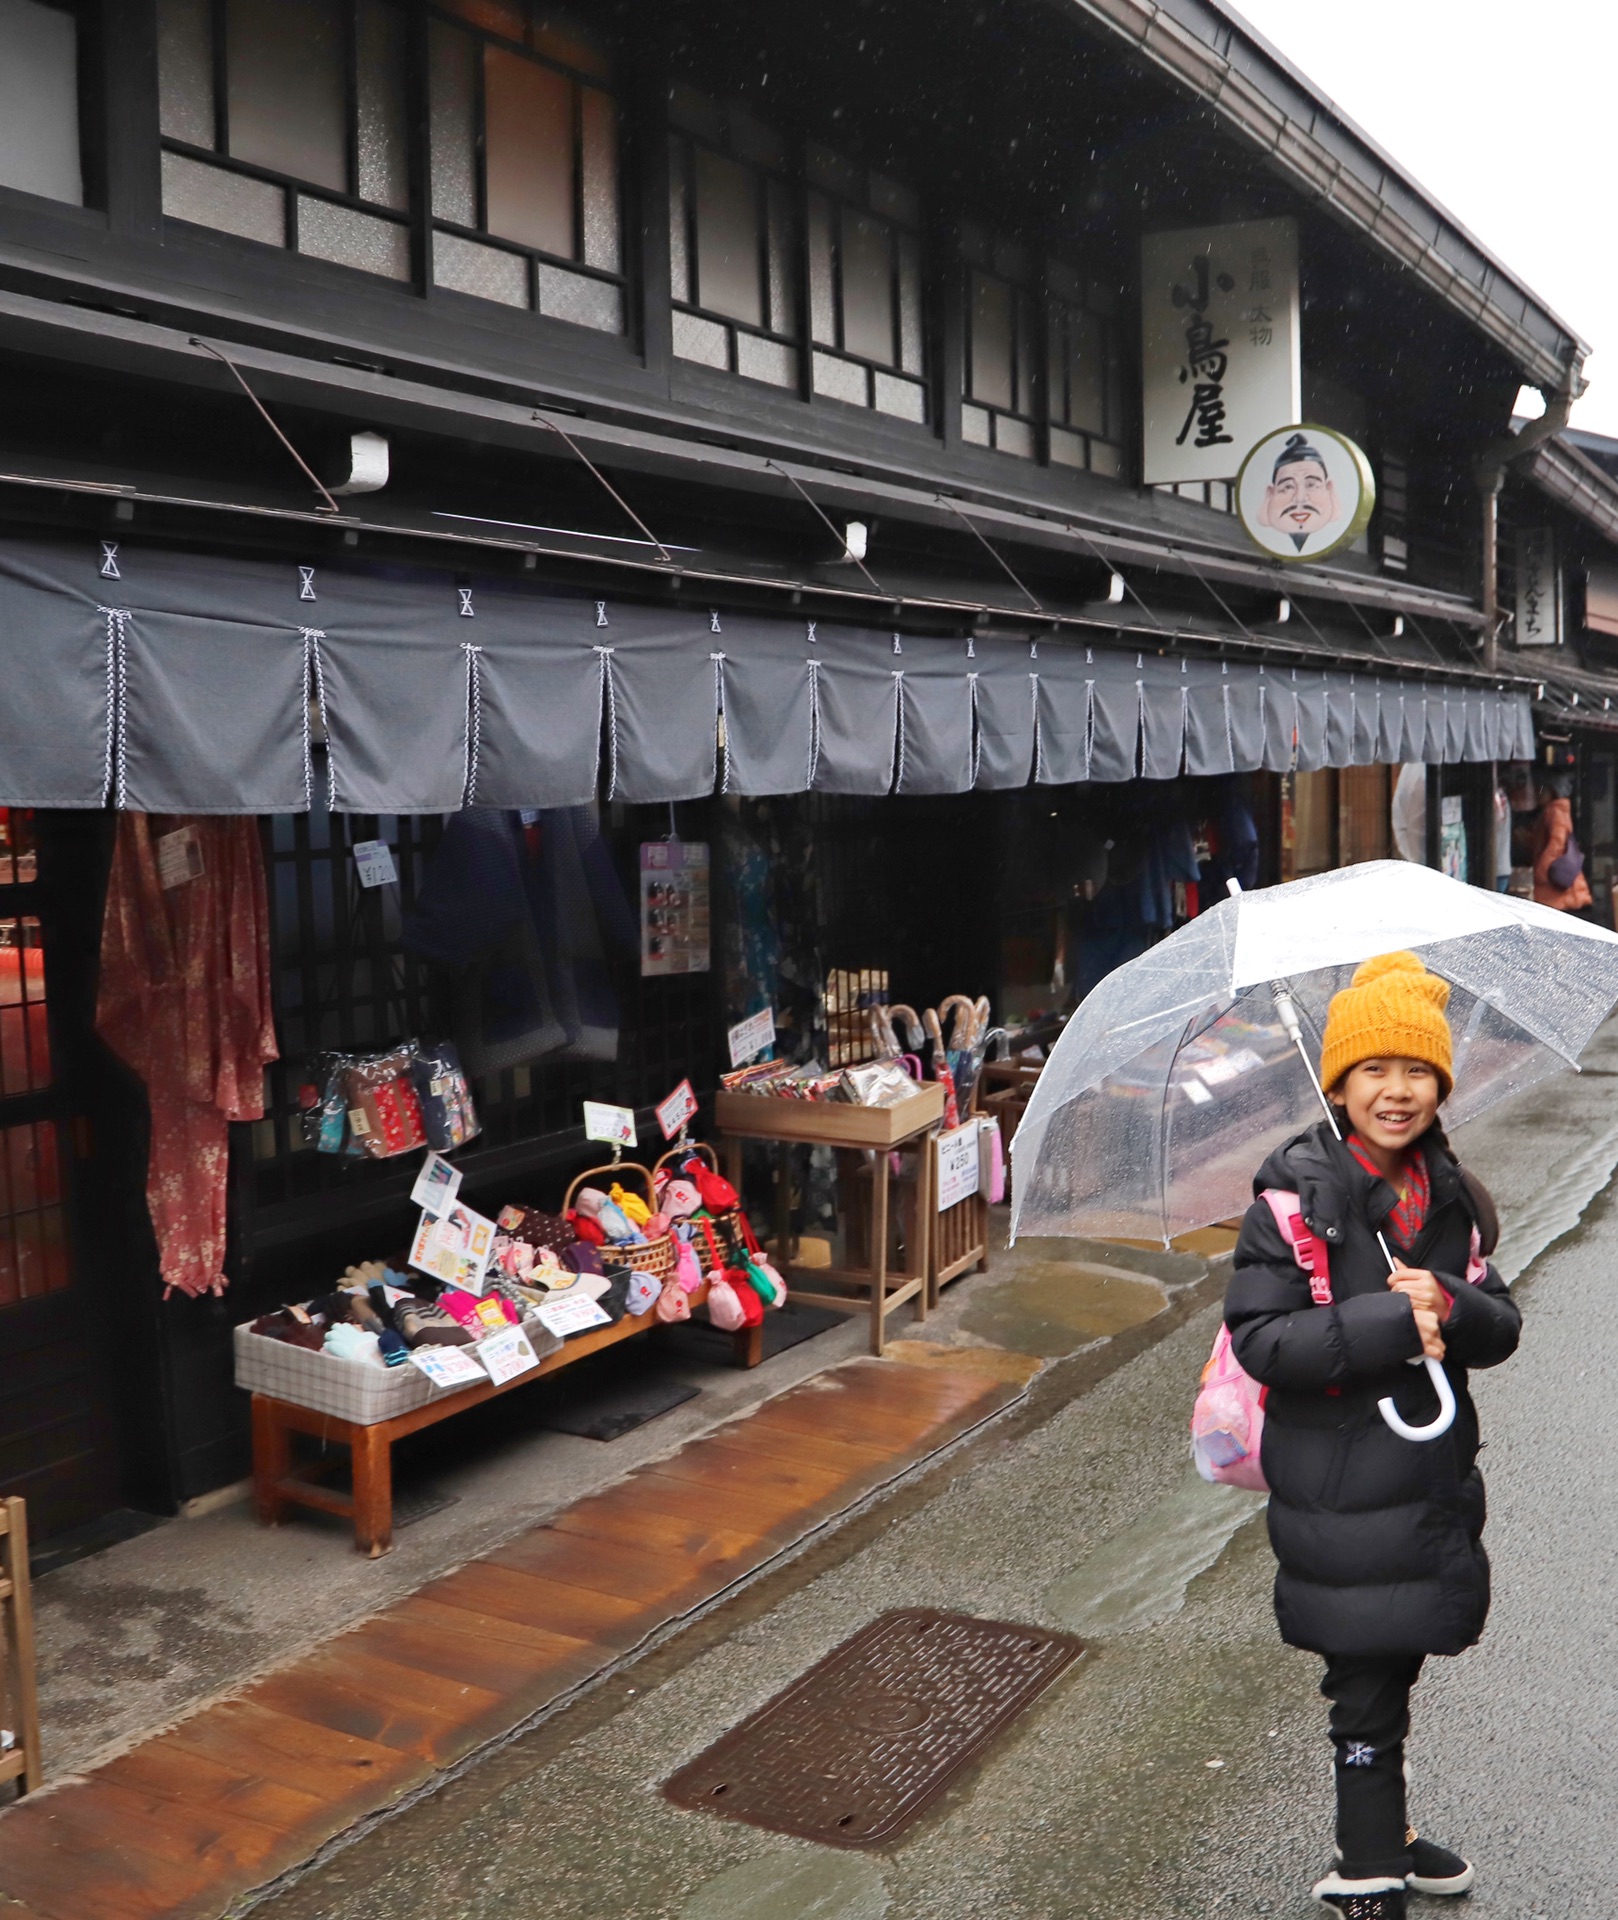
x,y
1559,587
804,359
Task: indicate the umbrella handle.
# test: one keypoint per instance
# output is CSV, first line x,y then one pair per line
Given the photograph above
x,y
1435,1429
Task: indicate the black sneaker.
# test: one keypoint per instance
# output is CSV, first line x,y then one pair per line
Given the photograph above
x,y
1434,1869
1381,1899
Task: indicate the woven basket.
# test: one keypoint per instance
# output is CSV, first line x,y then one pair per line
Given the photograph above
x,y
657,1257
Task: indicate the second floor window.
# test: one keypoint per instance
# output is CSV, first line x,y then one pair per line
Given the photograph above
x,y
284,121
524,163
865,314
999,369
733,246
39,100
1086,383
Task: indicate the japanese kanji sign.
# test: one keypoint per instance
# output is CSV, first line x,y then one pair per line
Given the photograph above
x,y
1220,361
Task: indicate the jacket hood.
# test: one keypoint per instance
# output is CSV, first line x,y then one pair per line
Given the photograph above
x,y
1330,1182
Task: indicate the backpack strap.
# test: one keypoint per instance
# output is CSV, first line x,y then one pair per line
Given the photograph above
x,y
1308,1250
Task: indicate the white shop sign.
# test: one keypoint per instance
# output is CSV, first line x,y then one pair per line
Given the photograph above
x,y
1220,358
957,1166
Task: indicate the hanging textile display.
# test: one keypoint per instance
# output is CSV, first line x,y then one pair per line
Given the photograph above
x,y
184,1000
198,682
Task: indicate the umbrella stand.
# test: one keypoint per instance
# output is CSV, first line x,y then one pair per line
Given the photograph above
x,y
1435,1429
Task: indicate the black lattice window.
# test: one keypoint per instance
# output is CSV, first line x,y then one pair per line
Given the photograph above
x,y
343,981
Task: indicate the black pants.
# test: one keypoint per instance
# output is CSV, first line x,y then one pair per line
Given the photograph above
x,y
1370,1716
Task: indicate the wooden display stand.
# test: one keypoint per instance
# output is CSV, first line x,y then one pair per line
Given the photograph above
x,y
960,1241
277,1484
830,1123
19,1704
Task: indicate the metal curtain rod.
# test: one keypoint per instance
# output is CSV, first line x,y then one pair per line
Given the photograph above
x,y
830,527
314,480
574,447
992,550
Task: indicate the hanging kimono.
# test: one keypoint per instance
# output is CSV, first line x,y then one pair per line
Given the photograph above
x,y
184,1000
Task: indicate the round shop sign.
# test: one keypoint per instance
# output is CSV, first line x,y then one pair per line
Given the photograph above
x,y
1305,491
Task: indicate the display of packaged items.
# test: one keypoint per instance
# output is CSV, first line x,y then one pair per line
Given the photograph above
x,y
448,1116
384,1115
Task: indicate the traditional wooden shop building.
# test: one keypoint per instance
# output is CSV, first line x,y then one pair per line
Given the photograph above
x,y
813,436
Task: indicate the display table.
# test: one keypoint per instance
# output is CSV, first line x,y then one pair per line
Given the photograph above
x,y
278,1484
740,1117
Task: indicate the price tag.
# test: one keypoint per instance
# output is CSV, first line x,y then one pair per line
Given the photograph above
x,y
436,1185
505,1355
754,1035
957,1166
572,1313
448,1366
179,857
615,1125
374,858
680,1106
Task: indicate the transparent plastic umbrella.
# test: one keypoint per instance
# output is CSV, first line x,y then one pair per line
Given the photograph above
x,y
1177,1075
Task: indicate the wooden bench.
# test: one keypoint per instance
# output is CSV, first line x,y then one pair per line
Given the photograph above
x,y
19,1704
278,1483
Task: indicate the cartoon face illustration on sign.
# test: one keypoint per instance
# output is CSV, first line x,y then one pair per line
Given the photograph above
x,y
1305,492
1300,500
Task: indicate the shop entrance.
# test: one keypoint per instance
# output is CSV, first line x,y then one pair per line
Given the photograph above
x,y
57,1435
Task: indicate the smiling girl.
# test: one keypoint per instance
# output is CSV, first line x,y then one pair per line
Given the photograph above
x,y
1377,1537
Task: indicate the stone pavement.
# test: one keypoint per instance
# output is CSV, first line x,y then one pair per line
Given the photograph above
x,y
1179,1771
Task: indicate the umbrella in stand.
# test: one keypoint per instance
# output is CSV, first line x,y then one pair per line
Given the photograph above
x,y
1178,1074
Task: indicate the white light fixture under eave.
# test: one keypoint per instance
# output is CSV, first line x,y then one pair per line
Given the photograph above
x,y
367,464
1115,590
856,540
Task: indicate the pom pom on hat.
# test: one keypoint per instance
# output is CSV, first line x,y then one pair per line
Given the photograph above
x,y
1393,1007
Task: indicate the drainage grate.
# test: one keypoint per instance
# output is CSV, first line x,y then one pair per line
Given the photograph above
x,y
850,1754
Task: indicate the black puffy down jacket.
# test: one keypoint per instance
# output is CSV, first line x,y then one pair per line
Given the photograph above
x,y
1377,1537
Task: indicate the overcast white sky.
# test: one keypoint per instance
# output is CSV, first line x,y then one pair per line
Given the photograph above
x,y
1506,111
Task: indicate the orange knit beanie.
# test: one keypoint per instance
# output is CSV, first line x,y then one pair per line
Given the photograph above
x,y
1393,1006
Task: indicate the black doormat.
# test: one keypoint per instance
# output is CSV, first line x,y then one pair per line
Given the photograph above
x,y
850,1754
606,1401
783,1328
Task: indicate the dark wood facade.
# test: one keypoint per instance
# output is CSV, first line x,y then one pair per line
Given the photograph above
x,y
872,262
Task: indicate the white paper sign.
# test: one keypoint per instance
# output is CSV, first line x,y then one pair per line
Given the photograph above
x,y
448,1366
754,1035
436,1185
374,858
1220,361
957,1165
179,857
615,1125
680,1106
505,1355
454,1248
1539,589
571,1313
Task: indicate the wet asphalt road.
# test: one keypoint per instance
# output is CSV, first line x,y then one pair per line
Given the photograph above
x,y
1180,1769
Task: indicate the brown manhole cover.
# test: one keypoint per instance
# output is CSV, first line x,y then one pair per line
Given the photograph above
x,y
852,1752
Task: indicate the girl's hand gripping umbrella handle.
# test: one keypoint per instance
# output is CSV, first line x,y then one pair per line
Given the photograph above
x,y
1435,1429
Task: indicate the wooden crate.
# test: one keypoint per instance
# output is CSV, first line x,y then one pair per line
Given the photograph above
x,y
19,1705
830,1123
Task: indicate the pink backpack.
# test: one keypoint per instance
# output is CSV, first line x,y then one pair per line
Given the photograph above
x,y
1227,1423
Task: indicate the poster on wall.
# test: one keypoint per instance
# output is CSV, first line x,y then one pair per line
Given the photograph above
x,y
1304,492
1539,589
1220,360
673,907
1452,837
